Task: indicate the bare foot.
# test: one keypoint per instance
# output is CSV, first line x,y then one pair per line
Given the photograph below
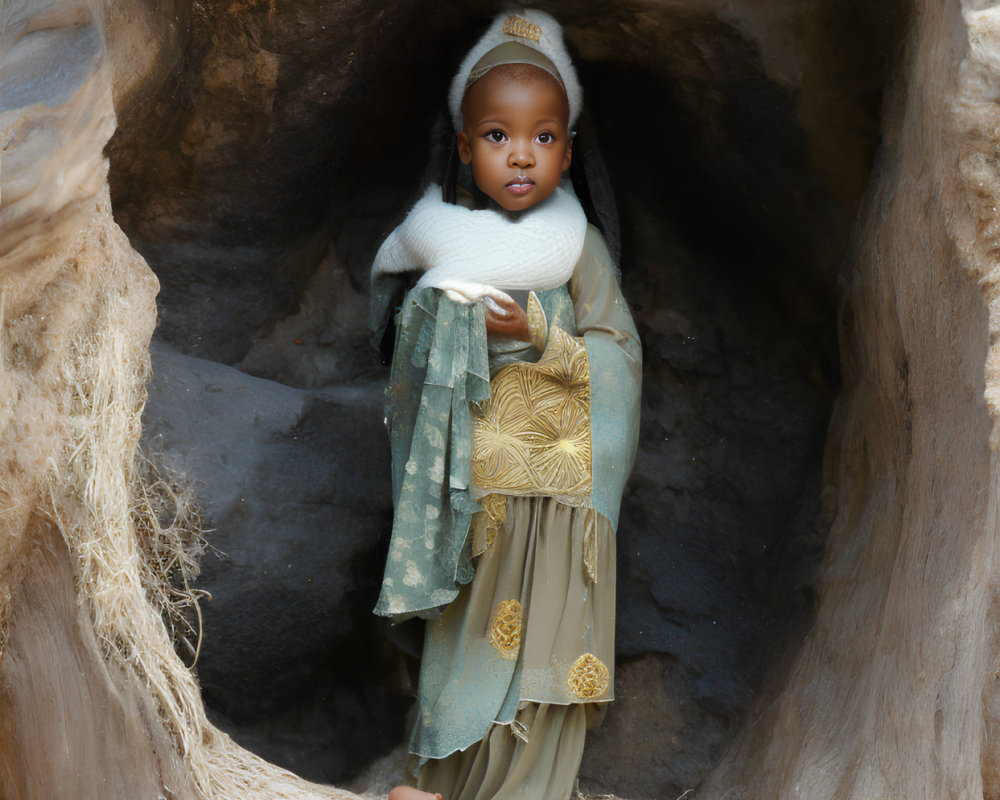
x,y
409,793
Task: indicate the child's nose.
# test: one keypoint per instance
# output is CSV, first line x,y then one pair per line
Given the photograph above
x,y
520,156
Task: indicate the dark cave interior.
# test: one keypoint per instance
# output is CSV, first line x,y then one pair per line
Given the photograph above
x,y
258,176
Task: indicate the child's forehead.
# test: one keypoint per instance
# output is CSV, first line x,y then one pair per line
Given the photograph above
x,y
527,78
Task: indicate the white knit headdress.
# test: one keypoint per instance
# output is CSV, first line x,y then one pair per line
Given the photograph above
x,y
549,43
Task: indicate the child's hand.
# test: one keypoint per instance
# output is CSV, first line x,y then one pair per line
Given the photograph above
x,y
504,317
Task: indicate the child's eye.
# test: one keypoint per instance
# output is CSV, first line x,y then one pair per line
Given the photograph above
x,y
545,138
496,135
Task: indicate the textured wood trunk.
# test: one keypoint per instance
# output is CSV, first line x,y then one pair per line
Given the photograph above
x,y
888,694
73,725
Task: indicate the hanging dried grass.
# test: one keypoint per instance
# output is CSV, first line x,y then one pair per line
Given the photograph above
x,y
135,535
170,534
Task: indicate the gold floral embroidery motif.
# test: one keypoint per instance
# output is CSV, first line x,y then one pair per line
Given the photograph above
x,y
588,677
533,434
487,523
505,628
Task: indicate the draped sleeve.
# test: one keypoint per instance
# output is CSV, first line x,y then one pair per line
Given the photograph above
x,y
615,355
439,367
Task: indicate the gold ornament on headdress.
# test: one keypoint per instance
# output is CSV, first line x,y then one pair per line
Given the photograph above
x,y
521,28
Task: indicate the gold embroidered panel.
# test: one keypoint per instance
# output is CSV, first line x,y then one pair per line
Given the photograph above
x,y
589,678
532,436
505,628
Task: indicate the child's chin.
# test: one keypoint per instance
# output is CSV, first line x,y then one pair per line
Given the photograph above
x,y
519,202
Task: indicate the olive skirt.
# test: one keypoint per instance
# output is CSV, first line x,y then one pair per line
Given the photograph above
x,y
521,663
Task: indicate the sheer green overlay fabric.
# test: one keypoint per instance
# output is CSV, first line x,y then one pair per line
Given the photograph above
x,y
440,365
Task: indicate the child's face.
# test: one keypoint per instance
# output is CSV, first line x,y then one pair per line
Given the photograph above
x,y
516,138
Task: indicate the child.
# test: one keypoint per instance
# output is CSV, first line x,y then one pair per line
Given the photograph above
x,y
513,429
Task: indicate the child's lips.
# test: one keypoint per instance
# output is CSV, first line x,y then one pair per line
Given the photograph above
x,y
520,185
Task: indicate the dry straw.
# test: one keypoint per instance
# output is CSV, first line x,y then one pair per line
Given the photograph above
x,y
135,537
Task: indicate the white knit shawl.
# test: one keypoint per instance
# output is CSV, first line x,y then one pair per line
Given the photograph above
x,y
472,253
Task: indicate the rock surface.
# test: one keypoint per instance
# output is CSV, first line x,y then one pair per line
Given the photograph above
x,y
292,483
721,526
261,187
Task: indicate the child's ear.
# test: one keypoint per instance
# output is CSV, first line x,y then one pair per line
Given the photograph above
x,y
568,158
464,151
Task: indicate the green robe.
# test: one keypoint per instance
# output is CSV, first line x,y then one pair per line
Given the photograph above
x,y
440,365
526,613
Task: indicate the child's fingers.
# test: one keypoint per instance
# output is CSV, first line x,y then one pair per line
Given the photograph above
x,y
493,307
514,323
500,297
466,292
505,316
